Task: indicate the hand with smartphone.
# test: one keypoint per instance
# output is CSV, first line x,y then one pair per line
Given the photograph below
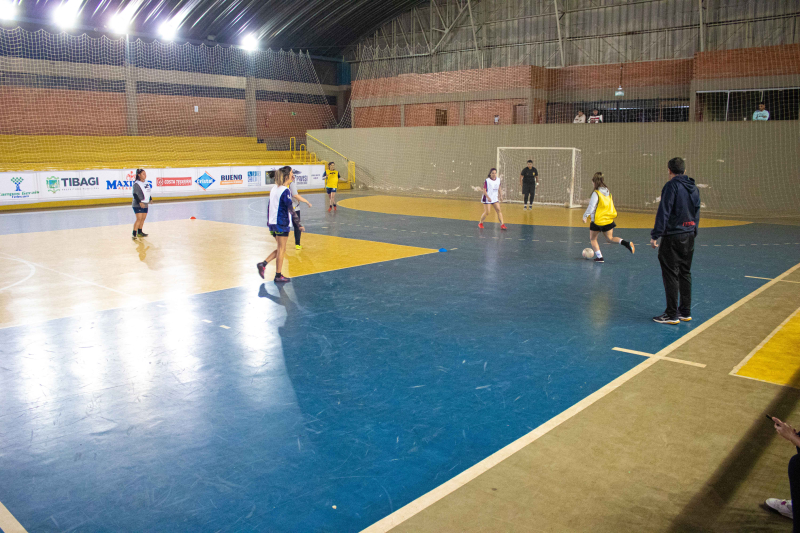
x,y
785,430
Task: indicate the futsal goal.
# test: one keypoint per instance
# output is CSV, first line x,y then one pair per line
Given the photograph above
x,y
559,171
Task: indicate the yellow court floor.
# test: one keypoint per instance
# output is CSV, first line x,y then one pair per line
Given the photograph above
x,y
777,359
512,213
62,273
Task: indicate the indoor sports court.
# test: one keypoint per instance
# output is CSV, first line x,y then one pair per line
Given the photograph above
x,y
399,367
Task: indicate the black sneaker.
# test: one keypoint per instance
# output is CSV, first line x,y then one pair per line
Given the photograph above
x,y
261,267
598,259
134,237
141,234
664,319
281,279
684,318
630,246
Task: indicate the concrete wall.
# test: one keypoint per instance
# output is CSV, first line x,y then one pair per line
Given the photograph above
x,y
743,168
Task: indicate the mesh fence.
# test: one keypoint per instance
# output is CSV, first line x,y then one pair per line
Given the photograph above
x,y
73,100
731,114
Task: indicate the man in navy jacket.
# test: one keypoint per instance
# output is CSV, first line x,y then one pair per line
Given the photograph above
x,y
676,225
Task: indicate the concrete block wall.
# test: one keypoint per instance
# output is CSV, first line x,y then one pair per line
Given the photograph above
x,y
726,158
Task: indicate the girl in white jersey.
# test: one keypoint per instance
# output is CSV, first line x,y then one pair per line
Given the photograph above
x,y
141,202
280,218
492,195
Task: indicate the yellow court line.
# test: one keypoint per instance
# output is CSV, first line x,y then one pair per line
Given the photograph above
x,y
783,280
428,499
470,210
8,523
671,359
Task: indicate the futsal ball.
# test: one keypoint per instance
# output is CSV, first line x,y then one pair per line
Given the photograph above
x,y
588,253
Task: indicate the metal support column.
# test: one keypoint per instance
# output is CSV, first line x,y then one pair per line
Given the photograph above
x,y
702,28
474,33
558,28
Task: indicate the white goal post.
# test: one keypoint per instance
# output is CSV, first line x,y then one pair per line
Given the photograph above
x,y
559,171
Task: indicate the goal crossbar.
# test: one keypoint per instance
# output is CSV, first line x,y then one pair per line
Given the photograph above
x,y
572,201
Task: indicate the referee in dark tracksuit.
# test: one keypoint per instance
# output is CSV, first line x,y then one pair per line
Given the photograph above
x,y
676,225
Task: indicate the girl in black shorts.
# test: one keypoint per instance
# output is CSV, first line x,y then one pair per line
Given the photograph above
x,y
602,212
141,201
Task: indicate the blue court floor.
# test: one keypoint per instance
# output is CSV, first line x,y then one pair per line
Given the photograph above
x,y
334,400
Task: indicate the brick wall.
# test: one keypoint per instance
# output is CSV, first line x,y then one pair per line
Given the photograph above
x,y
275,119
174,115
644,74
387,116
483,111
425,114
764,61
445,82
28,111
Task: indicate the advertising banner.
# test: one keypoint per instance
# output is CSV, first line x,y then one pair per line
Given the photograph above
x,y
306,176
16,186
31,187
176,182
96,183
65,185
250,177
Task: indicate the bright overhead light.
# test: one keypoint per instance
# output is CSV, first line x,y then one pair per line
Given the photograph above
x,y
250,42
119,23
66,14
169,29
8,10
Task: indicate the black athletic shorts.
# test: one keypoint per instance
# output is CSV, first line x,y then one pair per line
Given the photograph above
x,y
279,233
138,210
528,188
607,227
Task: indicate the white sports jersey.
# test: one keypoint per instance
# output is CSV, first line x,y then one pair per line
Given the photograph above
x,y
491,191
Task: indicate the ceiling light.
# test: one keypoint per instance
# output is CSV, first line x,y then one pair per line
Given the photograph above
x,y
66,14
8,10
169,29
119,23
250,42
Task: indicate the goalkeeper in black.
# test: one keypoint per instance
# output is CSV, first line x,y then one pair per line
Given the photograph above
x,y
528,180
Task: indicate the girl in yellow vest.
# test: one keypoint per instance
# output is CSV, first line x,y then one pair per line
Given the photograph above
x,y
331,184
602,213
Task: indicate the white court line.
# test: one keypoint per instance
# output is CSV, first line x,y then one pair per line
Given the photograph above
x,y
672,359
30,273
783,280
142,300
426,500
164,200
8,523
761,345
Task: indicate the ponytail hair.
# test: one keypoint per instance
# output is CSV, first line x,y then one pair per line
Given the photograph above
x,y
597,180
282,175
490,172
139,173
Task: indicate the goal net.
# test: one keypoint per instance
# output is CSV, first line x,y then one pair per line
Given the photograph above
x,y
558,171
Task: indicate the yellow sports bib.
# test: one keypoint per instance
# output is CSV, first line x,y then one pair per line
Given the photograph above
x,y
332,179
605,213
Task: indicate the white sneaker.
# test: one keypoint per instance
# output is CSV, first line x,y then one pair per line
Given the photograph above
x,y
784,507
